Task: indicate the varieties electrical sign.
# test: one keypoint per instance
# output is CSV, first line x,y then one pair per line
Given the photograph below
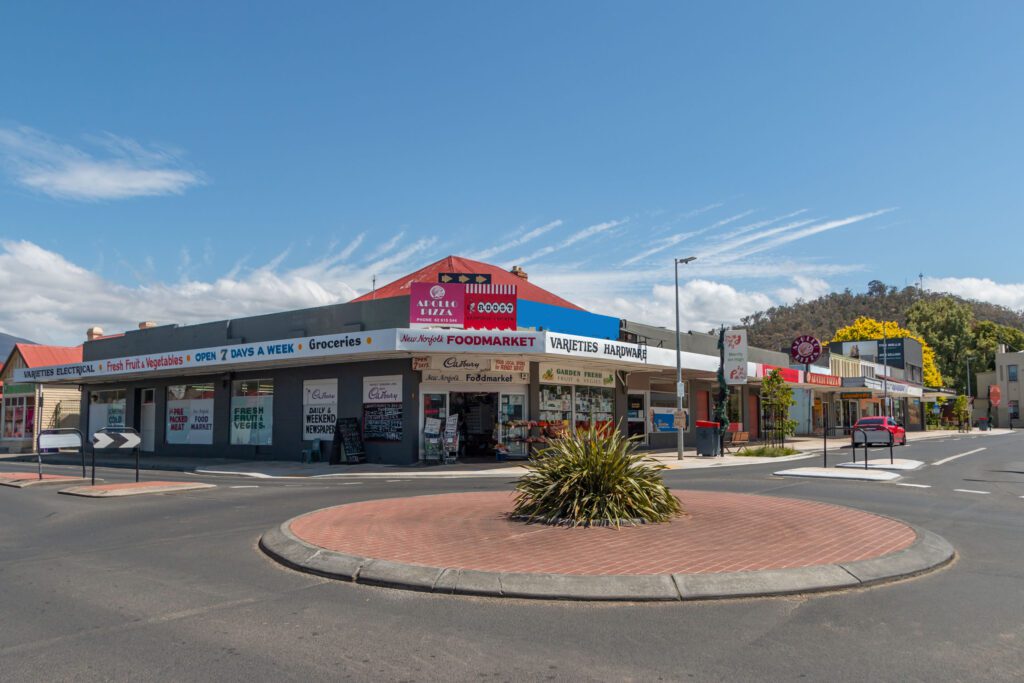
x,y
490,307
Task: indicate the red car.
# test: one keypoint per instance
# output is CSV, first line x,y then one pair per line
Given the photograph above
x,y
899,434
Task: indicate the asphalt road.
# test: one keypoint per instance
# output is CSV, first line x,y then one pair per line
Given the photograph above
x,y
173,587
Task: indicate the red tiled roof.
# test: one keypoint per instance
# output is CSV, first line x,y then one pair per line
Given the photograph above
x,y
37,355
457,264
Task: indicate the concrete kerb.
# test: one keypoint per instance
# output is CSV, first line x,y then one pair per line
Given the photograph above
x,y
928,552
33,483
141,490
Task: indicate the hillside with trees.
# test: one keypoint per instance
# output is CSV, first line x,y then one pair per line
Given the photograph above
x,y
959,330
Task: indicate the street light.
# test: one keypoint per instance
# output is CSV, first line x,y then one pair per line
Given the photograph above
x,y
679,364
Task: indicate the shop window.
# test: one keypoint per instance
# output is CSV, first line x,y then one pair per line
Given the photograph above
x,y
1011,373
19,417
252,412
106,410
595,406
555,405
190,414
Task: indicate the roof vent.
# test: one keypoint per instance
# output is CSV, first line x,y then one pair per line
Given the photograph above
x,y
519,272
94,333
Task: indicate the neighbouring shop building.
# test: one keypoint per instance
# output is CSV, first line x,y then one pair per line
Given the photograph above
x,y
27,407
457,337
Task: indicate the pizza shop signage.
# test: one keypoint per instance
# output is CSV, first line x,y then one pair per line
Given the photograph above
x,y
471,306
805,349
823,380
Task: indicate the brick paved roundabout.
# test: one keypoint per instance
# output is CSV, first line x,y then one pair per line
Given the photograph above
x,y
727,545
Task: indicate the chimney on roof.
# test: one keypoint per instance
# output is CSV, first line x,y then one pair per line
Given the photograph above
x,y
146,324
94,333
519,272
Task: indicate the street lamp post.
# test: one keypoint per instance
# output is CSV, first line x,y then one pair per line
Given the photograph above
x,y
680,428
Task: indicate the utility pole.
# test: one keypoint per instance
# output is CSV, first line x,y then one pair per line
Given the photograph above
x,y
885,371
680,394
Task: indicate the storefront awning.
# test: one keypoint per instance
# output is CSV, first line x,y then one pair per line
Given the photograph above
x,y
373,345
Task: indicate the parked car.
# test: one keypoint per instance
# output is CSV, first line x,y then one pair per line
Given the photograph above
x,y
899,434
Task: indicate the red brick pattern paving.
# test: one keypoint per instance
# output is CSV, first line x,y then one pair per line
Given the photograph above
x,y
141,485
21,476
722,532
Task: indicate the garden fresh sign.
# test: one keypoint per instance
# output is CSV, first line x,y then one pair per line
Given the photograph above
x,y
560,374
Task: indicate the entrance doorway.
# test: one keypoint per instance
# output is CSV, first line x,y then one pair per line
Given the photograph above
x,y
147,419
478,422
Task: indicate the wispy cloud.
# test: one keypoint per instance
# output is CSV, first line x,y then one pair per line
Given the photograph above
x,y
127,168
663,244
568,241
517,241
793,236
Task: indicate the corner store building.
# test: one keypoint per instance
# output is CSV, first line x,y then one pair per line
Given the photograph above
x,y
247,388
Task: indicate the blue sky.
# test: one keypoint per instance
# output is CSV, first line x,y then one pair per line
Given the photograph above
x,y
189,161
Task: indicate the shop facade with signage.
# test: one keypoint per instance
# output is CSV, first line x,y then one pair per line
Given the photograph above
x,y
26,408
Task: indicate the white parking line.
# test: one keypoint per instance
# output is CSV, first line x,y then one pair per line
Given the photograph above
x,y
984,493
352,483
250,486
954,457
916,486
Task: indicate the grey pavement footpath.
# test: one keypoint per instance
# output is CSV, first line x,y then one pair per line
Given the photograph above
x,y
928,552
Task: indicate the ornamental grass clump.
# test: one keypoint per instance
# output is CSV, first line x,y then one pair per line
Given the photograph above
x,y
593,478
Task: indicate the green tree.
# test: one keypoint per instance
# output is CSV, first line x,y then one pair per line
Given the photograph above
x,y
869,328
776,400
948,327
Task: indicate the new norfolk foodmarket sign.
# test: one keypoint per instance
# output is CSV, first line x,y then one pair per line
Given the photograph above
x,y
355,343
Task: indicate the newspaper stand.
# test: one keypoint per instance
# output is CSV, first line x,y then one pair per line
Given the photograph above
x,y
450,439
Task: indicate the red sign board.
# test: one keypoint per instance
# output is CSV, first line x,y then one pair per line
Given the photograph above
x,y
805,349
491,307
791,375
995,395
437,304
823,380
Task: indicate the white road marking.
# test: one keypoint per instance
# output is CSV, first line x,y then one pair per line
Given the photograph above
x,y
984,493
389,481
352,483
954,457
250,486
920,486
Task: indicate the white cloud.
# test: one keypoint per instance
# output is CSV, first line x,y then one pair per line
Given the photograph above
x,y
663,244
1010,295
128,169
568,241
517,241
703,304
49,299
804,288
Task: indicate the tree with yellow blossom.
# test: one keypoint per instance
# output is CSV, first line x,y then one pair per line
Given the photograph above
x,y
871,329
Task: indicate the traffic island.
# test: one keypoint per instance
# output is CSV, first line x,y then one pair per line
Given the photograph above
x,y
135,488
22,480
727,545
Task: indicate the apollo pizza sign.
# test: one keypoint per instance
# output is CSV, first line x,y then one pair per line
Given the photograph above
x,y
468,306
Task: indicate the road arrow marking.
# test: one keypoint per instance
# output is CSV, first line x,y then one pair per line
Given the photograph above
x,y
954,457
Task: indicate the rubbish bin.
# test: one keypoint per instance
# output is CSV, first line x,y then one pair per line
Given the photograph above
x,y
708,438
328,453
983,424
